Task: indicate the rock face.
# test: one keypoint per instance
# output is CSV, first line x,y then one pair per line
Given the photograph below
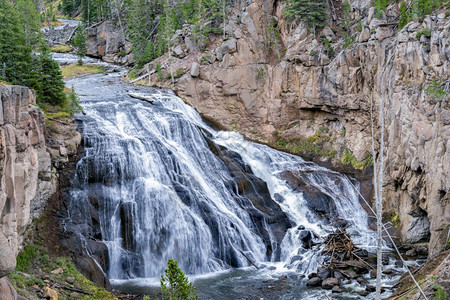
x,y
26,179
107,41
28,167
59,34
262,90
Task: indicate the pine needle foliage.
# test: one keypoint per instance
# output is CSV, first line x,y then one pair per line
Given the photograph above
x,y
312,12
175,285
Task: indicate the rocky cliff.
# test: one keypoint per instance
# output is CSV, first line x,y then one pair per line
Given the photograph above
x,y
108,42
278,83
27,168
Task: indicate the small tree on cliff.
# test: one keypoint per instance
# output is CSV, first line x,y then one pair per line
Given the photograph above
x,y
175,285
312,12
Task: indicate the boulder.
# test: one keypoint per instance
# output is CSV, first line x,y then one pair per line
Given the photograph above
x,y
323,273
195,69
7,257
329,283
336,289
229,46
315,281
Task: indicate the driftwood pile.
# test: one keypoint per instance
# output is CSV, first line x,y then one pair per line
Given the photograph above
x,y
343,254
344,261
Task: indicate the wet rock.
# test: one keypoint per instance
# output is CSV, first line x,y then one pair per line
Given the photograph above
x,y
282,277
411,253
336,289
329,283
361,280
388,271
338,275
373,273
398,264
323,273
364,293
306,237
311,275
315,281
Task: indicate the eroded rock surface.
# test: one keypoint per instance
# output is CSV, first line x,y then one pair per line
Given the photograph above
x,y
26,179
260,90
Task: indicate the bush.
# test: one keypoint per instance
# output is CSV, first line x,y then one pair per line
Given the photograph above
x,y
424,31
314,13
176,285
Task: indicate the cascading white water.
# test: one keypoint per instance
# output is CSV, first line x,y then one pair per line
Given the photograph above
x,y
160,191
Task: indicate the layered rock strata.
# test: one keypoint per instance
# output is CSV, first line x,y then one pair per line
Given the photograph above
x,y
298,85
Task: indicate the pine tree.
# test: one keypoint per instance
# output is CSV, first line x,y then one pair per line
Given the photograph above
x,y
49,85
29,21
175,285
79,42
312,12
15,55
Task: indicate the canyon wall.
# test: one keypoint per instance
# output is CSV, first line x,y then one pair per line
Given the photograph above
x,y
28,170
25,169
296,87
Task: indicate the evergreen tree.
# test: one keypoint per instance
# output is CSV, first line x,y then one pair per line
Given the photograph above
x,y
29,21
15,55
312,12
175,285
49,85
79,42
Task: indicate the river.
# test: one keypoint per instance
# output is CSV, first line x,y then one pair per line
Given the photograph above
x,y
155,182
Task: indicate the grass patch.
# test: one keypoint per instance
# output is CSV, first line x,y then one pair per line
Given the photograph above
x,y
319,144
349,159
75,70
177,74
133,74
52,23
26,255
62,49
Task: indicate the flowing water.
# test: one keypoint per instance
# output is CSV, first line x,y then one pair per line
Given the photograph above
x,y
155,182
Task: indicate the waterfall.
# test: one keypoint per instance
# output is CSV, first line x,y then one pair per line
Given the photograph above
x,y
154,182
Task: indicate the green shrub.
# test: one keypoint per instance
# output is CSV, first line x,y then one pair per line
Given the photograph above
x,y
349,159
314,13
175,285
440,294
159,73
261,73
424,31
205,59
435,90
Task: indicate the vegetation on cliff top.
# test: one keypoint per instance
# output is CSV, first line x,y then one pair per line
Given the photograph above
x,y
24,57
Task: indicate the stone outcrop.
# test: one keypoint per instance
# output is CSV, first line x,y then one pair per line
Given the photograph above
x,y
297,85
59,35
28,167
107,41
26,179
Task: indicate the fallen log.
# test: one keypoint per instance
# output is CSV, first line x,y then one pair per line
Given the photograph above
x,y
147,99
72,289
143,76
249,259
